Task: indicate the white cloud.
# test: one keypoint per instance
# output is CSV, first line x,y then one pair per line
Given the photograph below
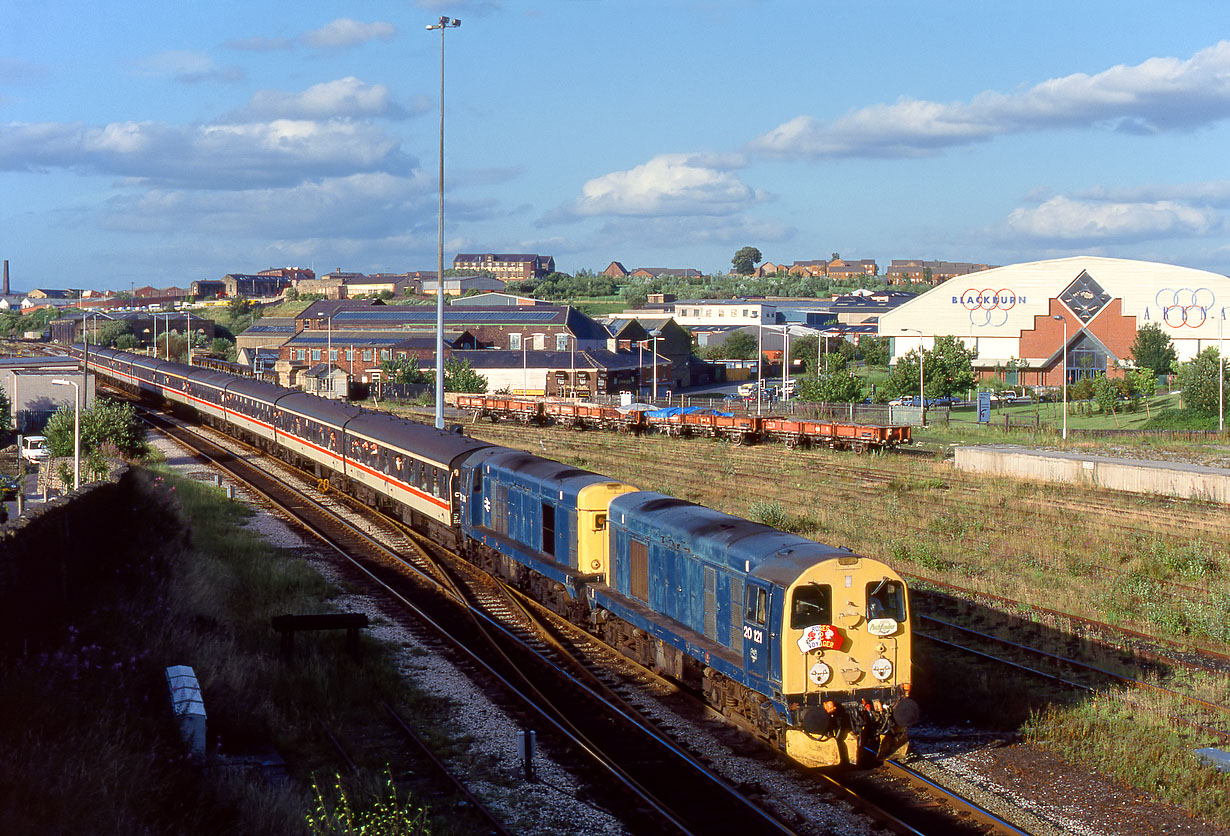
x,y
1208,193
669,184
188,67
220,156
259,44
359,206
1160,94
1062,219
345,32
345,97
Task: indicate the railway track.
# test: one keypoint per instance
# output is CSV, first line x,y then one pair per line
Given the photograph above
x,y
588,689
661,788
1205,717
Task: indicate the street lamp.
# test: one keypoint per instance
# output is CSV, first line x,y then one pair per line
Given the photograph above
x,y
922,398
1222,375
76,428
445,23
1064,320
785,359
655,334
759,360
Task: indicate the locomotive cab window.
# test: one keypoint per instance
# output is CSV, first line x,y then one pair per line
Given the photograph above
x,y
885,599
757,605
812,604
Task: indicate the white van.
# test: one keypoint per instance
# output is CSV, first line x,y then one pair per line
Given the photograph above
x,y
34,448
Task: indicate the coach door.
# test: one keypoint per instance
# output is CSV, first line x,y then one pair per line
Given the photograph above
x,y
756,639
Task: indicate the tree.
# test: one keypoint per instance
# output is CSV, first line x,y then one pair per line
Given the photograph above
x,y
107,422
947,369
1153,349
403,370
745,261
740,345
460,376
835,382
1198,382
874,350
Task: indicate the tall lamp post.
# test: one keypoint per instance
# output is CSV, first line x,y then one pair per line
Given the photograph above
x,y
445,23
785,360
76,428
922,398
1064,320
655,334
759,361
1221,376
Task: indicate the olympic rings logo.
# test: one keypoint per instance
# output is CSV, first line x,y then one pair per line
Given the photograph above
x,y
1185,306
989,300
988,307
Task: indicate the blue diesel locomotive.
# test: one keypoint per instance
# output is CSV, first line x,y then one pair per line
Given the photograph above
x,y
806,645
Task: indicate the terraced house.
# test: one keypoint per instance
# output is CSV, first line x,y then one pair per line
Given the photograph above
x,y
509,267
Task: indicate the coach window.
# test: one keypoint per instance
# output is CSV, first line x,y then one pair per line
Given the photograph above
x,y
757,604
885,599
813,604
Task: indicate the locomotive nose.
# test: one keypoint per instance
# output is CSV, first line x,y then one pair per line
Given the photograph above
x,y
817,721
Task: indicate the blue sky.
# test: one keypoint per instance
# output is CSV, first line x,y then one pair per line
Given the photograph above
x,y
156,143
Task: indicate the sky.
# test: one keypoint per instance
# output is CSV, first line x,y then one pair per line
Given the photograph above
x,y
158,143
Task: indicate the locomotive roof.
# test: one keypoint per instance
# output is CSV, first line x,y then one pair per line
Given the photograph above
x,y
745,546
548,475
422,439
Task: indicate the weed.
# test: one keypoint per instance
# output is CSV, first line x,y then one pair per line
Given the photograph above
x,y
1123,735
373,812
768,513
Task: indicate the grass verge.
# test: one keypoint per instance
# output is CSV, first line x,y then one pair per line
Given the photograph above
x,y
1126,734
87,734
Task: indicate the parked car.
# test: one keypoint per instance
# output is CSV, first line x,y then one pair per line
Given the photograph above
x,y
9,486
34,448
904,400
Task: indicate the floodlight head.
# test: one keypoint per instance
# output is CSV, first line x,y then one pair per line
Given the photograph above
x,y
1057,316
59,382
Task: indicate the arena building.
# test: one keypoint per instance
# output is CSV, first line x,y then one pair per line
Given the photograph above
x,y
1015,316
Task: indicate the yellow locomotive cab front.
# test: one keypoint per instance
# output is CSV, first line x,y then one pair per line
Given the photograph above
x,y
593,540
846,654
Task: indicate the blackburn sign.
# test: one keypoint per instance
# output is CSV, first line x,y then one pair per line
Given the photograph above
x,y
988,307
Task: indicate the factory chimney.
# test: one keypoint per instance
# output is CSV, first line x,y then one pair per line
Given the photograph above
x,y
5,291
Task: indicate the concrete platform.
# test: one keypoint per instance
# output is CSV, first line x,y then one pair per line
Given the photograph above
x,y
1166,478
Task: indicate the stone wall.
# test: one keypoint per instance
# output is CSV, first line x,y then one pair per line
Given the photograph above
x,y
58,556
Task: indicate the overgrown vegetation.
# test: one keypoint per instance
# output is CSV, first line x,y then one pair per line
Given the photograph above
x,y
1128,735
89,746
